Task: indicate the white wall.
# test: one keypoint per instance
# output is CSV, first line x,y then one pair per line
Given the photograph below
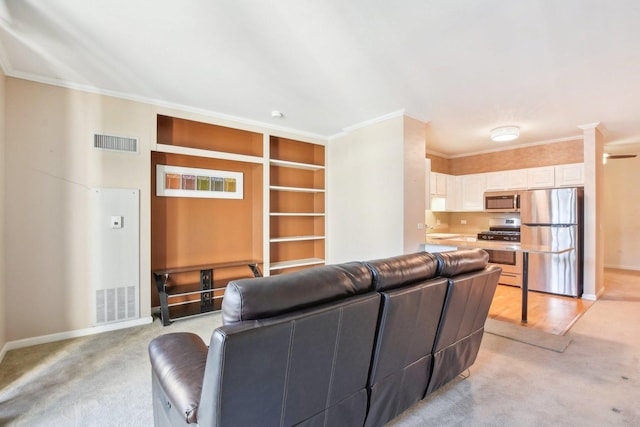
x,y
50,168
622,213
369,190
365,193
415,136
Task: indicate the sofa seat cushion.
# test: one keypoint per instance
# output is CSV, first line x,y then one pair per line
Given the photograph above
x,y
259,298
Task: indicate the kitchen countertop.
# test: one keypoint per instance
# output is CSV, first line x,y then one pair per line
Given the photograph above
x,y
466,241
471,241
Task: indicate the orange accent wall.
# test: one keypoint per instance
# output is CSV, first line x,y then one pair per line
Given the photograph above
x,y
205,136
194,231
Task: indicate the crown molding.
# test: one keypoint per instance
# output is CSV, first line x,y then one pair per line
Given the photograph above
x,y
247,124
366,123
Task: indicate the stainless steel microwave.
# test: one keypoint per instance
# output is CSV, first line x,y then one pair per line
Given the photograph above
x,y
502,201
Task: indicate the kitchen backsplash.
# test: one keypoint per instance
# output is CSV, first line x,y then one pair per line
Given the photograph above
x,y
461,222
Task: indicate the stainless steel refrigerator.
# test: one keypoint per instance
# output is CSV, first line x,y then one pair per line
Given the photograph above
x,y
553,217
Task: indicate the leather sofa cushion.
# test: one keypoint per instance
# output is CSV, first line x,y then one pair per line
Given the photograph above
x,y
461,261
259,298
178,361
304,368
391,273
460,332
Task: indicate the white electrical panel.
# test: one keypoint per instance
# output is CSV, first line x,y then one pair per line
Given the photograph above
x,y
115,254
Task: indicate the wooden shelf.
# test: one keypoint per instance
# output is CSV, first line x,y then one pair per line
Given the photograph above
x,y
296,165
295,238
295,263
198,152
297,204
296,214
296,189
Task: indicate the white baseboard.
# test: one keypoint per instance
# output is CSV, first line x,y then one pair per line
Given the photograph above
x,y
3,352
43,339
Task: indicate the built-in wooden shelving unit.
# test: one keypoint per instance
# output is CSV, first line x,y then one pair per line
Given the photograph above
x,y
297,208
279,222
188,231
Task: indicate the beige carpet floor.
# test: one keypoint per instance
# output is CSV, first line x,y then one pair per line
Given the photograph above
x,y
104,380
530,336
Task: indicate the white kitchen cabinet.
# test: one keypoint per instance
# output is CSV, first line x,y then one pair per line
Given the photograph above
x,y
496,181
506,180
472,192
466,192
438,184
543,177
569,175
517,179
453,199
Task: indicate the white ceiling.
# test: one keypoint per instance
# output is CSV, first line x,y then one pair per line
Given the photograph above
x,y
463,66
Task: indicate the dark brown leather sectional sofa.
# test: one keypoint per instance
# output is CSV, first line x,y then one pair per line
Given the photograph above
x,y
351,344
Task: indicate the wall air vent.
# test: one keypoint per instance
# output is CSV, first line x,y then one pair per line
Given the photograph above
x,y
115,143
116,304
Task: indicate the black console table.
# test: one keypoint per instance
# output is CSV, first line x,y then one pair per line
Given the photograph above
x,y
205,288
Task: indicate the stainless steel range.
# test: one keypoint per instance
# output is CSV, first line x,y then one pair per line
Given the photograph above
x,y
502,229
502,235
505,230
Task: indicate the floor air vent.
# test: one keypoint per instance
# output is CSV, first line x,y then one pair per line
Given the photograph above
x,y
115,143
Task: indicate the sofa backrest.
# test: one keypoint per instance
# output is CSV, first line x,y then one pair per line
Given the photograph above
x,y
461,261
412,301
471,287
295,349
265,297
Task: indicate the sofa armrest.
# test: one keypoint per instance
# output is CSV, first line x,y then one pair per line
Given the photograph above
x,y
178,361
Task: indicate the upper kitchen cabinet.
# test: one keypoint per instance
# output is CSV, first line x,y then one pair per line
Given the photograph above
x,y
437,191
516,179
459,193
569,175
454,193
438,184
543,177
472,188
495,181
506,180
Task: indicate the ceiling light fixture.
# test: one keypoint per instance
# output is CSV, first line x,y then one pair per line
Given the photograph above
x,y
505,133
277,114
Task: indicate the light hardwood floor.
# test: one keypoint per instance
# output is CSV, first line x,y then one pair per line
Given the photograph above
x,y
549,313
